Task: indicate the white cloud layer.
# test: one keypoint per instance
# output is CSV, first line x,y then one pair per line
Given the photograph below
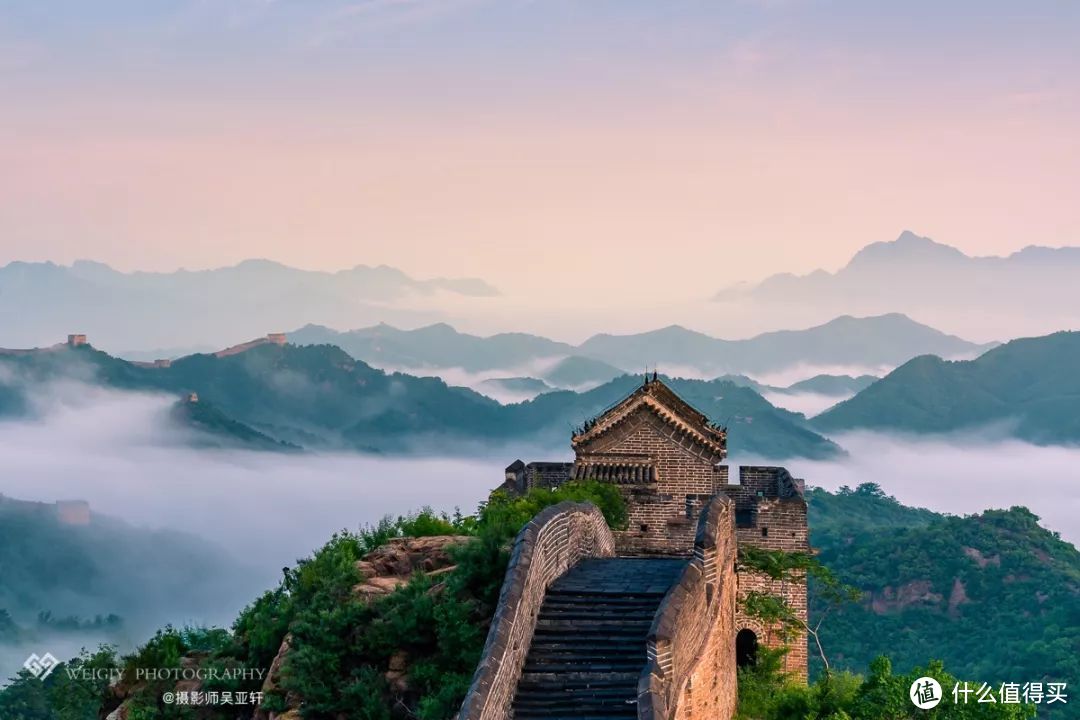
x,y
117,451
959,475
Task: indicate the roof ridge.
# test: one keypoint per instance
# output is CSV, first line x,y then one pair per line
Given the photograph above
x,y
667,404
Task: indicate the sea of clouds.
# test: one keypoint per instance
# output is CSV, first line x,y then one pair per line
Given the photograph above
x,y
120,452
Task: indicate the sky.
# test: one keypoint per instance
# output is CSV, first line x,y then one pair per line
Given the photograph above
x,y
560,147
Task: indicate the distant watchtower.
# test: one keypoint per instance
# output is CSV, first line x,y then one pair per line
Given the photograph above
x,y
666,458
76,340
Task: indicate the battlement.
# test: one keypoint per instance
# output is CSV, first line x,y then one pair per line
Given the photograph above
x,y
159,363
73,341
520,478
767,481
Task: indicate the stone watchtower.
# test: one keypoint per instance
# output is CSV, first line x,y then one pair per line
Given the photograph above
x,y
667,460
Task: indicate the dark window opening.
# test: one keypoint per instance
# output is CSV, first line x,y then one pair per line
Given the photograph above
x,y
644,527
744,518
746,648
764,532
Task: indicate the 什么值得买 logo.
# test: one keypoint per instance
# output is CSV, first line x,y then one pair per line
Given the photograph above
x,y
925,693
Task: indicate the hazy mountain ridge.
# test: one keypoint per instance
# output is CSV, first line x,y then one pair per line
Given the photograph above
x,y
1028,387
885,340
926,279
45,301
318,396
104,566
834,385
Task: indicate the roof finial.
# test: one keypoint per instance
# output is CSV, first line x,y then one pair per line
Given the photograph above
x,y
654,373
646,375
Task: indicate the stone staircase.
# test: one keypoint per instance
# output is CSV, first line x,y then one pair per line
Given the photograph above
x,y
589,647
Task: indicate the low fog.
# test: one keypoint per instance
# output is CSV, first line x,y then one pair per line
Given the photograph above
x,y
119,452
960,474
807,403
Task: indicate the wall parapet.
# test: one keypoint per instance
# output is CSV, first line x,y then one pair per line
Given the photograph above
x,y
687,618
549,545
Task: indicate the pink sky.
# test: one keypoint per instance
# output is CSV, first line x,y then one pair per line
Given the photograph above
x,y
660,147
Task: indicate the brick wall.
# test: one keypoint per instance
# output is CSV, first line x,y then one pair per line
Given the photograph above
x,y
662,512
691,672
554,541
771,514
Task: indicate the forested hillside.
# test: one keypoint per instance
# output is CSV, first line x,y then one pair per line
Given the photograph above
x,y
316,396
1028,388
994,595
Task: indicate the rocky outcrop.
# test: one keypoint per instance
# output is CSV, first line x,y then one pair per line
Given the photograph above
x,y
389,567
118,704
273,682
957,597
891,599
382,571
980,559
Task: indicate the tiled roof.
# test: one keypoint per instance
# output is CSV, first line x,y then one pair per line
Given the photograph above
x,y
671,408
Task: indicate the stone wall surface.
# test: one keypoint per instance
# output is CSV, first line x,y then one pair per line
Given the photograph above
x,y
554,541
771,514
663,512
691,669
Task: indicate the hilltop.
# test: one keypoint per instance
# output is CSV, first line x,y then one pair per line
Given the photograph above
x,y
1028,388
924,278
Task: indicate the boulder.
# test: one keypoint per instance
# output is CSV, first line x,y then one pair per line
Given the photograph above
x,y
387,568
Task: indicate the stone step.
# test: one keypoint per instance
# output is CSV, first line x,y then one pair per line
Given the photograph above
x,y
574,702
571,679
635,625
589,647
552,697
599,714
589,666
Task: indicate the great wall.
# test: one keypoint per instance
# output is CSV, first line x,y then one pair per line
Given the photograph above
x,y
643,622
80,340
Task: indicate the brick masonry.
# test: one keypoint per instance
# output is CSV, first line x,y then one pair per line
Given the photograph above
x,y
691,670
667,461
553,542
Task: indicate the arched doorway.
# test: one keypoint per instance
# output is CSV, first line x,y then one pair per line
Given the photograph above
x,y
746,648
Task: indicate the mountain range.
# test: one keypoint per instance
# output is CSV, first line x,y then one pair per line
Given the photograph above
x,y
1032,291
143,315
1029,388
870,342
190,309
318,397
